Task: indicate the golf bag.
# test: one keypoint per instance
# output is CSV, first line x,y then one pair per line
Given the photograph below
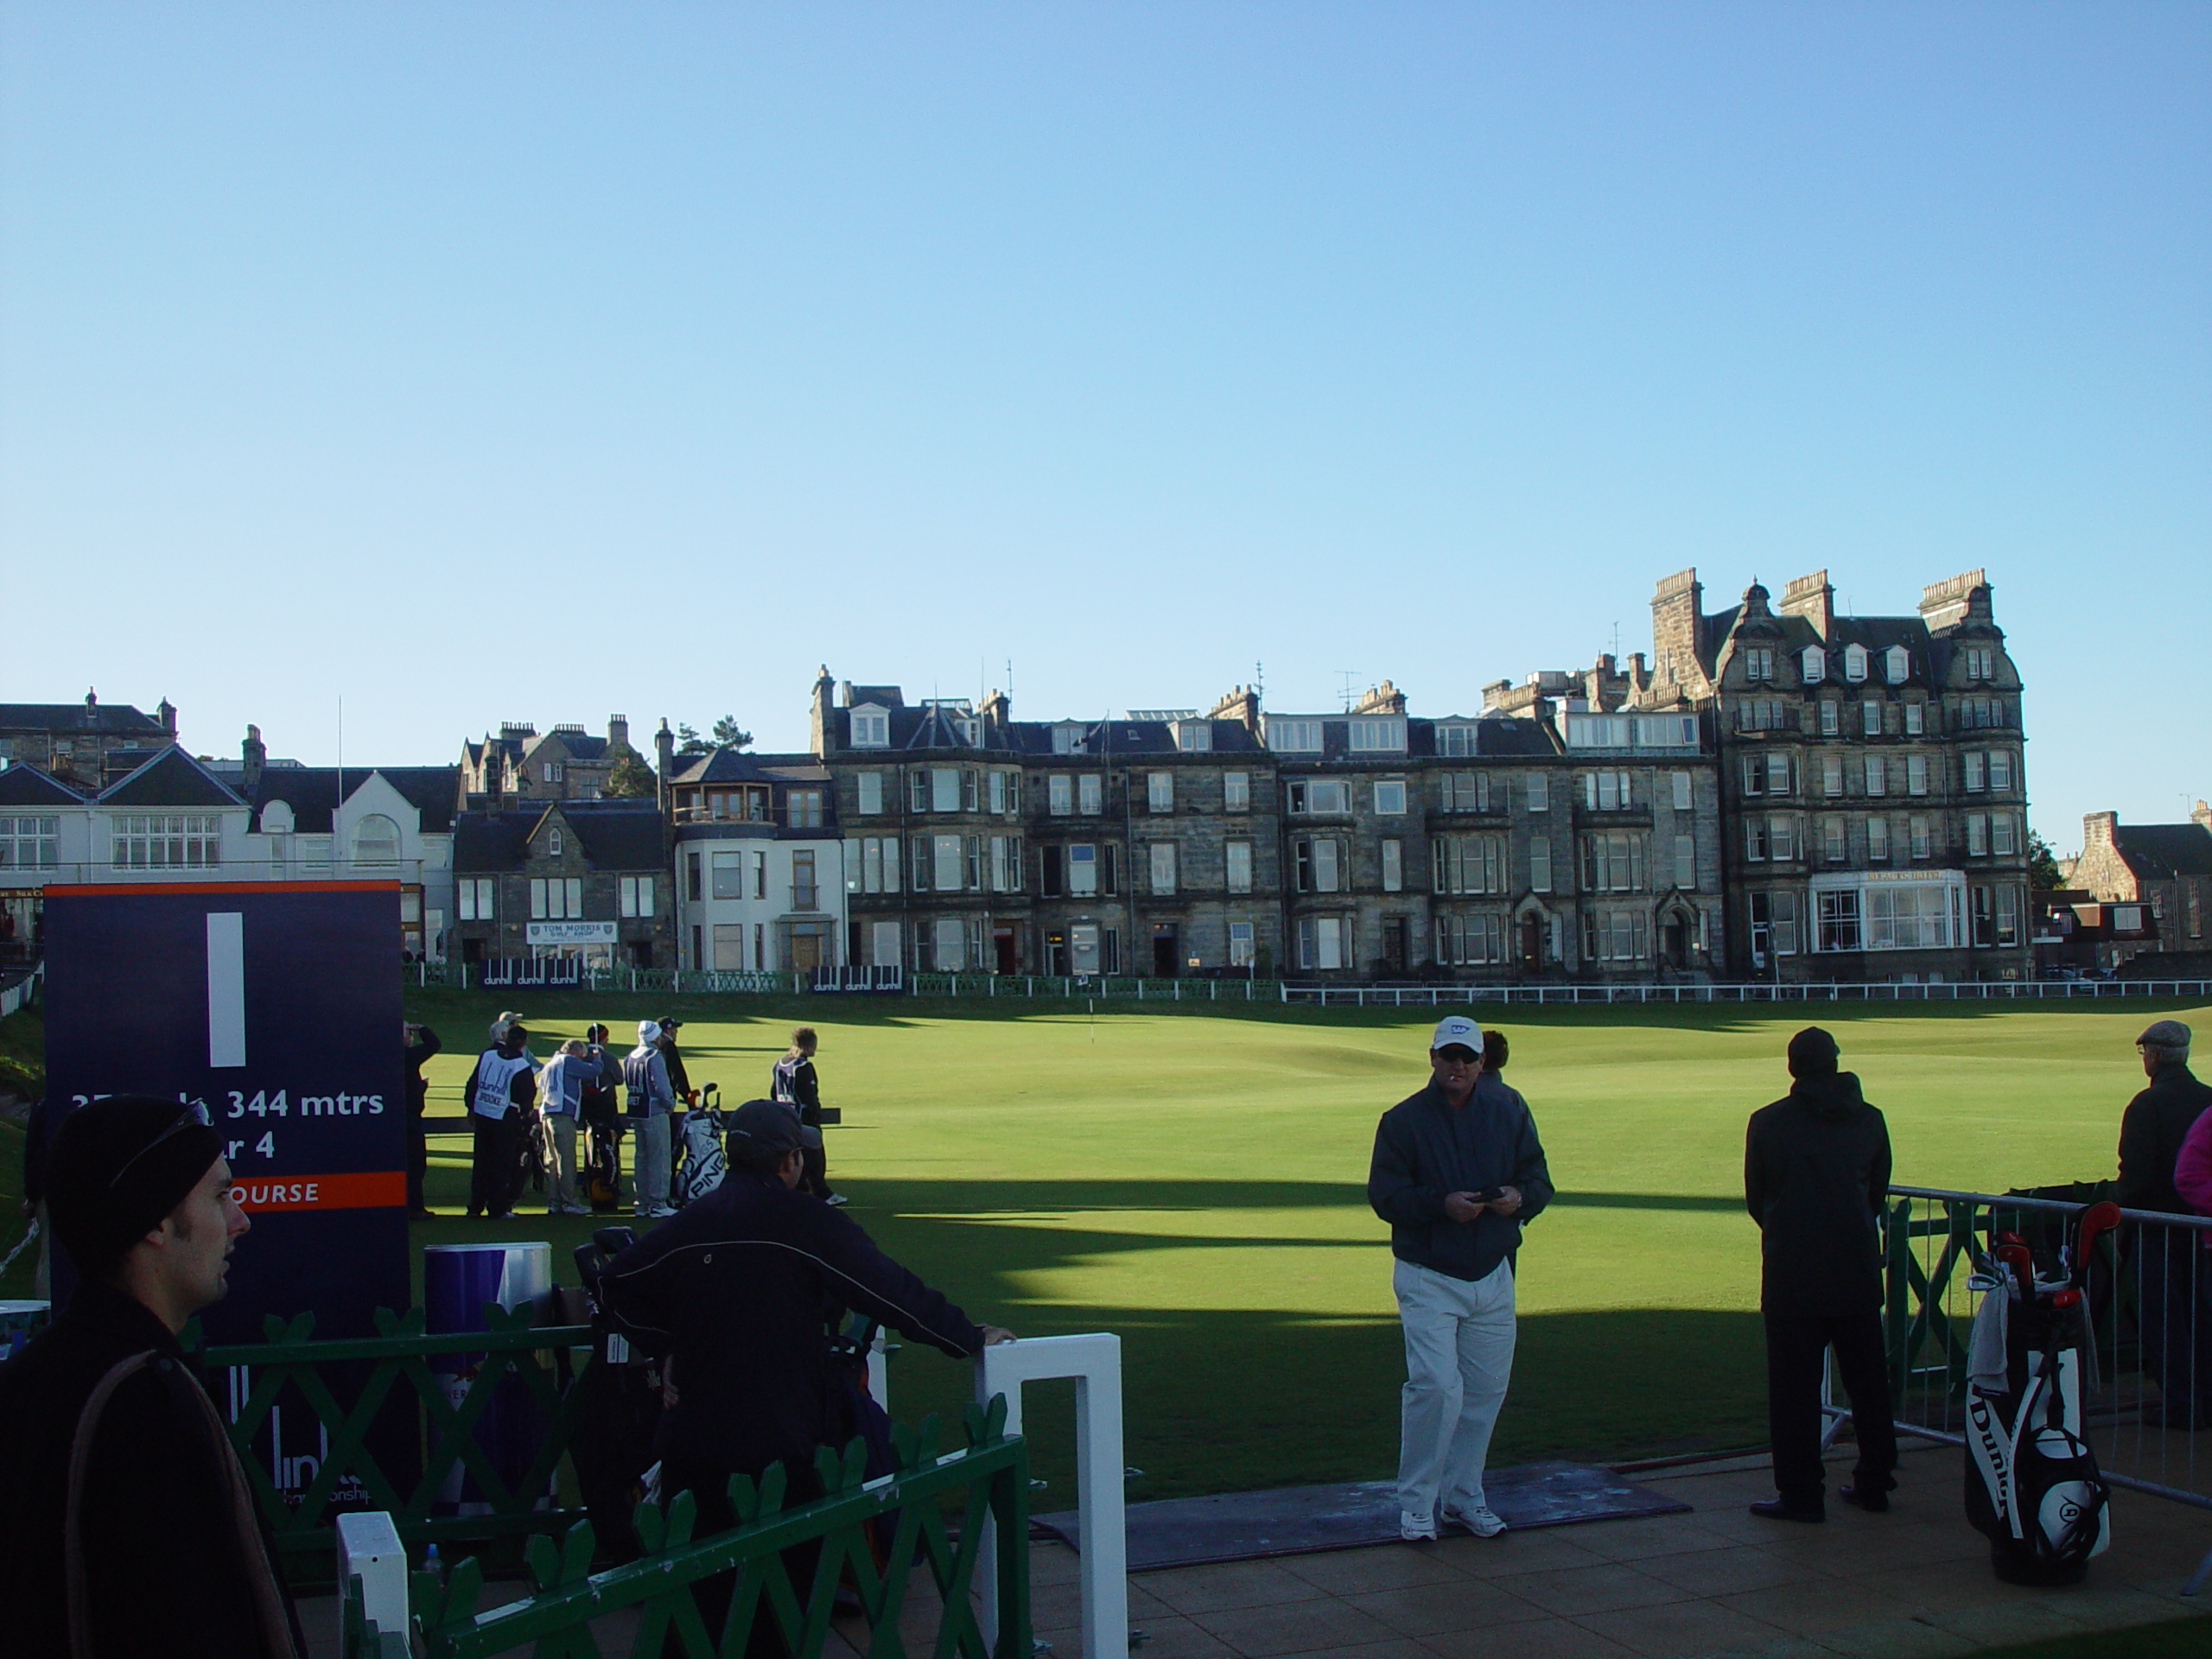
x,y
621,1410
599,1122
701,1162
2032,1484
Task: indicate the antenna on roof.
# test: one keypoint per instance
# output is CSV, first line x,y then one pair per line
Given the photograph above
x,y
1349,675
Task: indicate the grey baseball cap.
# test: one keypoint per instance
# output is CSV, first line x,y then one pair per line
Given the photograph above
x,y
2165,1033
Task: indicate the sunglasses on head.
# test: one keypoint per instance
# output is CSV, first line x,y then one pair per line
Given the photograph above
x,y
195,1113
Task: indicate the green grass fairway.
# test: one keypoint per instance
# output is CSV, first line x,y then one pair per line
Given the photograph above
x,y
1193,1182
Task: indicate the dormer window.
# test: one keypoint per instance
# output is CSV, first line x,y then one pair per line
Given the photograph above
x,y
1854,663
1815,664
1898,664
1194,736
970,731
1067,739
871,727
276,818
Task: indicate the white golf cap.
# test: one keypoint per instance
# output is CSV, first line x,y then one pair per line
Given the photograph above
x,y
1456,1028
649,1031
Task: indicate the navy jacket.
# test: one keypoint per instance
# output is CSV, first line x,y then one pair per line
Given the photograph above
x,y
2151,1130
1426,1148
742,1290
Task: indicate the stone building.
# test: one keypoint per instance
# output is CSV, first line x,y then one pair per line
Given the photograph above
x,y
78,743
760,862
2164,867
587,878
1364,844
1872,792
521,764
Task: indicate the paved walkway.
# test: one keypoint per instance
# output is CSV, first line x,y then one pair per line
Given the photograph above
x,y
1915,1581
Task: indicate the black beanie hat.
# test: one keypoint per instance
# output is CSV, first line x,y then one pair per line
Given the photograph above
x,y
1812,1053
117,1166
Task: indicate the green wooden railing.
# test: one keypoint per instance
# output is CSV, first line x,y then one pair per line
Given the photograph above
x,y
989,1477
1929,1245
398,1357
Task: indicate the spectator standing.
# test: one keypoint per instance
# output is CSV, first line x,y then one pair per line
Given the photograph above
x,y
1455,1172
793,1082
501,1092
2175,1299
126,1523
599,1112
742,1292
1817,1170
679,1080
421,1043
560,1091
645,1075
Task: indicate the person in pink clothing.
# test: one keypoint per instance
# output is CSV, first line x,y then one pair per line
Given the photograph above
x,y
2193,1168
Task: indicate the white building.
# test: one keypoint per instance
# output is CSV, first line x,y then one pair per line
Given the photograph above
x,y
761,876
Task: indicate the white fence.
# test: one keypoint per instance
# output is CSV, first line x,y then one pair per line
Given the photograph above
x,y
16,995
2030,990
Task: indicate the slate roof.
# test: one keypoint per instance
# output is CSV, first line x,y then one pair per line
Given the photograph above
x,y
172,778
312,792
931,727
2162,850
614,836
735,766
23,784
75,717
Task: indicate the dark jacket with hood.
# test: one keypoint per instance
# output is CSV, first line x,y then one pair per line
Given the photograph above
x,y
1426,1148
171,1565
2151,1130
1816,1171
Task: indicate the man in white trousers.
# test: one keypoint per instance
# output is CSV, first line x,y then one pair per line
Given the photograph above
x,y
1455,1173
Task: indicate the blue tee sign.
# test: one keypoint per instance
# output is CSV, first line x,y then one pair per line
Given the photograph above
x,y
277,1005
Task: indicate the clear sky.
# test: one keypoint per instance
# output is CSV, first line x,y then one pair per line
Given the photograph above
x,y
472,362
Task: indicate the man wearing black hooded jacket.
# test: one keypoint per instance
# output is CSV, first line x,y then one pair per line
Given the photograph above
x,y
1816,1171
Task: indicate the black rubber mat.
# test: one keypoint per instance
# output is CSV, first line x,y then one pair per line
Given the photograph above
x,y
1297,1520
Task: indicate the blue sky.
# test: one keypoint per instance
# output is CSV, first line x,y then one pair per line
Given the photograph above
x,y
498,361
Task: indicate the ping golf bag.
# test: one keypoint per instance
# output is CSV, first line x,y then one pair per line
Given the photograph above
x,y
2032,1485
622,1408
703,1162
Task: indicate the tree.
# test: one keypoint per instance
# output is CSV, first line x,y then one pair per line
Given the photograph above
x,y
631,776
729,735
688,741
2042,865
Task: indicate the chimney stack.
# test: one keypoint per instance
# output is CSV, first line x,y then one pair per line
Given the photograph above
x,y
253,754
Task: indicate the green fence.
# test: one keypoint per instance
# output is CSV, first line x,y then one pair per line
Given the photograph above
x,y
398,1360
868,1534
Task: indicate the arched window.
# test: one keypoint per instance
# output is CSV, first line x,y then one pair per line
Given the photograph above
x,y
276,818
553,843
375,840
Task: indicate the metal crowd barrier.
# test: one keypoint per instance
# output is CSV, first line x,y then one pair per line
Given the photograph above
x,y
2149,1305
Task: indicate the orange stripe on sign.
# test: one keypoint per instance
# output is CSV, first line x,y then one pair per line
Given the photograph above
x,y
258,1194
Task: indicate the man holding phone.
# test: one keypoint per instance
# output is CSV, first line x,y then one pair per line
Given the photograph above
x,y
1455,1173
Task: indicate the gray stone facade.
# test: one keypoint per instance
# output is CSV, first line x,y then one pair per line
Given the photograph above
x,y
1360,845
1873,785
